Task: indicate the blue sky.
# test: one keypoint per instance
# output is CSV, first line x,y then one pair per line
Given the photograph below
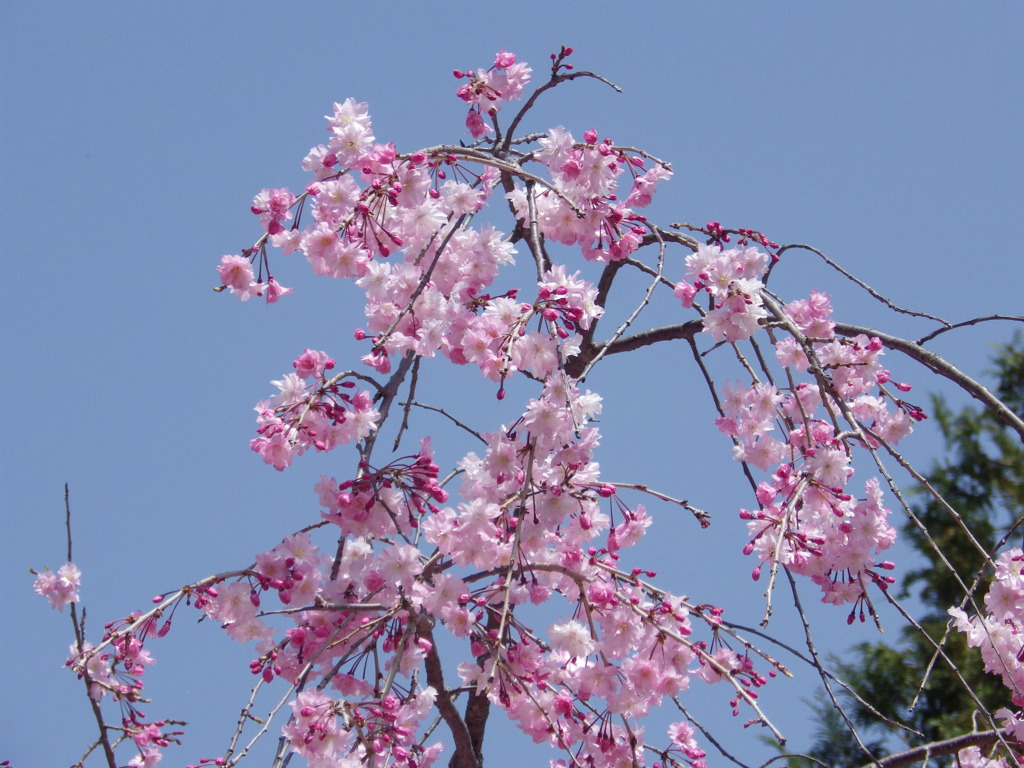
x,y
134,137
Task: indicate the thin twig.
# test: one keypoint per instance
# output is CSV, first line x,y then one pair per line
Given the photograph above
x,y
103,739
809,641
874,294
555,80
966,323
448,416
702,517
413,379
707,734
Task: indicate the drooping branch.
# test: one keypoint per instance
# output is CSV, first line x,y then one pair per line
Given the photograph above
x,y
604,286
874,294
967,323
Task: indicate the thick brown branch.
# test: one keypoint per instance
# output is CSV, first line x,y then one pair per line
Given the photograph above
x,y
669,236
604,286
465,755
983,739
477,709
927,358
687,330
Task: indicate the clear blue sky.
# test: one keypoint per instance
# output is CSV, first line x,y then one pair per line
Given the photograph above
x,y
134,136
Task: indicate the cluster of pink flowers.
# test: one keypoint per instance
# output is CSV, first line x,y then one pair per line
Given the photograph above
x,y
488,88
387,501
311,410
237,275
732,278
808,520
59,588
115,669
999,633
535,528
368,202
389,729
581,207
540,523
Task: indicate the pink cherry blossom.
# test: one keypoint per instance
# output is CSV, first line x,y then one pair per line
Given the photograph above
x,y
59,588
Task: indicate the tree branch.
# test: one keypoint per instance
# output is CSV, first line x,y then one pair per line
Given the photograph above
x,y
874,294
938,365
465,755
79,628
555,80
948,747
687,330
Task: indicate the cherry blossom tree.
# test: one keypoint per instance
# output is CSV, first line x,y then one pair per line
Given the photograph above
x,y
420,600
